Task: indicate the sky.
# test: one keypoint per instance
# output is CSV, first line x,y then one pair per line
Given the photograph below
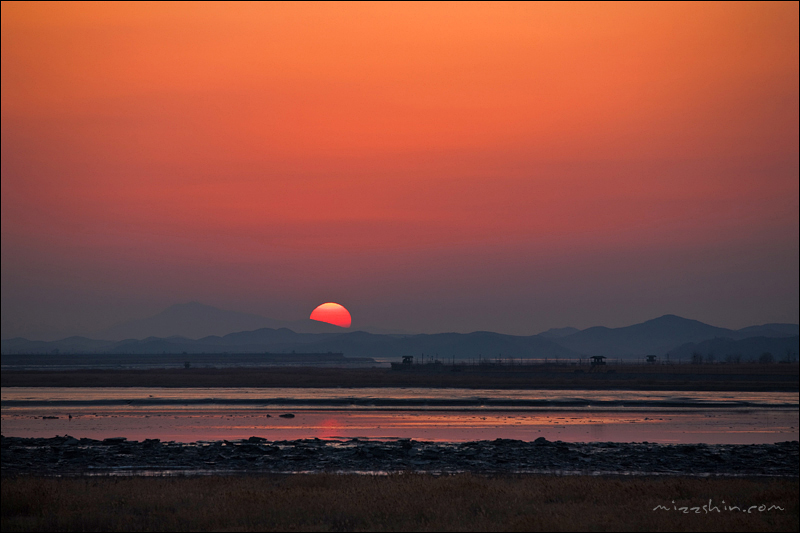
x,y
432,167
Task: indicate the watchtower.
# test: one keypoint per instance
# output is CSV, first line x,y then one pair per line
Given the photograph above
x,y
407,364
598,360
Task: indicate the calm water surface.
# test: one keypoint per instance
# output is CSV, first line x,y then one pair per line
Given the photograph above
x,y
192,414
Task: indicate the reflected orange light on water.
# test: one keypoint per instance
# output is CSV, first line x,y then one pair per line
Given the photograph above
x,y
723,426
330,428
188,415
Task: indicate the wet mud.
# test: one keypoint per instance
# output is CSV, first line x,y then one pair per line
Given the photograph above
x,y
65,455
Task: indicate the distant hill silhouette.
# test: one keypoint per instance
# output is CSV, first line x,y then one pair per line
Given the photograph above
x,y
557,333
444,346
655,336
769,330
659,336
195,320
352,344
68,345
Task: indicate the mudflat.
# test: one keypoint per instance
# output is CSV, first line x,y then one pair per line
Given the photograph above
x,y
67,455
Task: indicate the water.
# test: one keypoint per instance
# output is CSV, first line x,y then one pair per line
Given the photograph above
x,y
391,397
455,415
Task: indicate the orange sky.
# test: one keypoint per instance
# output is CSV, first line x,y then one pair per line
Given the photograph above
x,y
431,166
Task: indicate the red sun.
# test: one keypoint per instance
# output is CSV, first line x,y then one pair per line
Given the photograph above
x,y
332,314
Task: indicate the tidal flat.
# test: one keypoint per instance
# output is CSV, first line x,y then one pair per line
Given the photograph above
x,y
423,414
64,456
398,502
91,482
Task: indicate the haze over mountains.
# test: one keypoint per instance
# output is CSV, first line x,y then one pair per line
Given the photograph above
x,y
185,327
194,320
660,335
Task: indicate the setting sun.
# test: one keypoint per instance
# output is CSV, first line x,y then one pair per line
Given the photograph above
x,y
332,313
569,231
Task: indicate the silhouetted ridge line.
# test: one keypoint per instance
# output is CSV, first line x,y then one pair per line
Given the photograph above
x,y
659,336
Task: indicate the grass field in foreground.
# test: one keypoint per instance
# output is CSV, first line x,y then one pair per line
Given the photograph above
x,y
414,502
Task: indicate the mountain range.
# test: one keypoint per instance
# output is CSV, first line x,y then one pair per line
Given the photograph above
x,y
661,335
172,330
194,320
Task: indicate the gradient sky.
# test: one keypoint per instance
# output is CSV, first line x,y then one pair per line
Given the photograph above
x,y
432,167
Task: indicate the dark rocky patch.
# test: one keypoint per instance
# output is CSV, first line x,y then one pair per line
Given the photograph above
x,y
67,455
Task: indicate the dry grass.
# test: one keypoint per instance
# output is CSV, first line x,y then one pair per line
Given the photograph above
x,y
415,502
634,377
